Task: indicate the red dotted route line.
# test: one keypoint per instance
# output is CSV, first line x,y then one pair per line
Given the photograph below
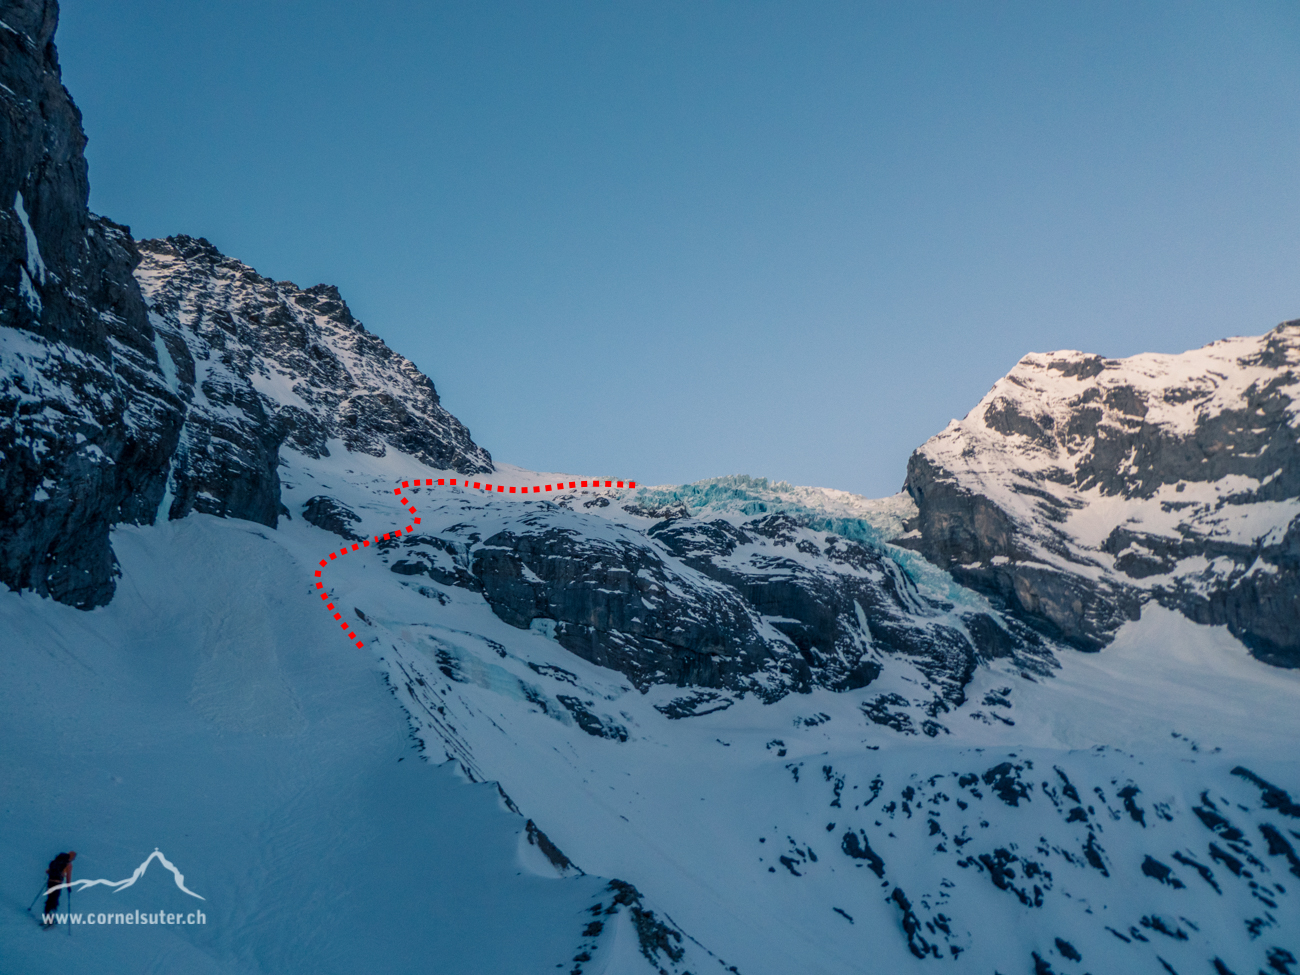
x,y
406,503
534,489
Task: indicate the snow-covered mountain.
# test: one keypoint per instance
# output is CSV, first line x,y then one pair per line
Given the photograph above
x,y
728,726
1081,488
111,409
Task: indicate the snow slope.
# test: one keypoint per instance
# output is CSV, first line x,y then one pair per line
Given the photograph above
x,y
781,729
209,711
797,743
804,835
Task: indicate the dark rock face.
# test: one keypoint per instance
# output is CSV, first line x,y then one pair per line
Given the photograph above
x,y
827,608
331,515
980,544
1195,460
1259,601
618,603
87,421
747,605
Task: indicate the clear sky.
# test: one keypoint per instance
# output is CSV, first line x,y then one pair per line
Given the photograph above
x,y
672,240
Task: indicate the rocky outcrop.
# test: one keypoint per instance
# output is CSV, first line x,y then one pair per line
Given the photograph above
x,y
833,598
1081,487
762,605
331,515
984,548
87,419
613,598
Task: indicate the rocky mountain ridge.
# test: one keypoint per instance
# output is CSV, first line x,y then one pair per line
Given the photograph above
x,y
734,604
161,377
262,364
208,376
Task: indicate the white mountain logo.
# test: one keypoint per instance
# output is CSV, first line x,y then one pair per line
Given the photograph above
x,y
121,885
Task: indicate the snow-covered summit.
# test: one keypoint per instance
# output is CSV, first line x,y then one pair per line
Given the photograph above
x,y
1080,487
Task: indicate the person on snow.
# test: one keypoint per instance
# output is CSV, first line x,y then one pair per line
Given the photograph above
x,y
59,872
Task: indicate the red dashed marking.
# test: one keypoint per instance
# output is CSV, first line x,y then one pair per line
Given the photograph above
x,y
406,503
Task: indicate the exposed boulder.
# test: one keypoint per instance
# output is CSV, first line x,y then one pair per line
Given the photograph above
x,y
331,515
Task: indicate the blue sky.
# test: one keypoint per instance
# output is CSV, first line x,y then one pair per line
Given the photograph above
x,y
669,241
